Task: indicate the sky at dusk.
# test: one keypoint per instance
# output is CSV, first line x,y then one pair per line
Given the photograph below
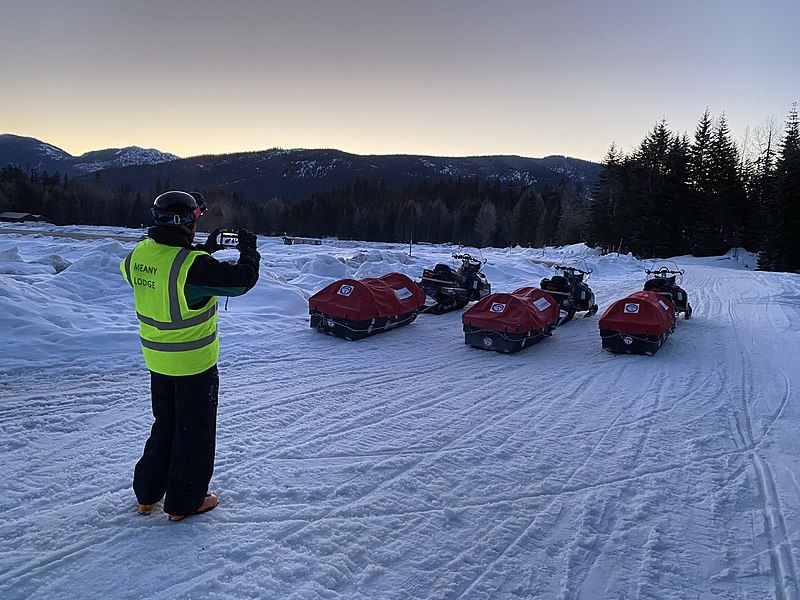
x,y
436,77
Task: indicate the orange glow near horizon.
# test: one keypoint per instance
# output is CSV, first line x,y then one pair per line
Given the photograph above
x,y
447,79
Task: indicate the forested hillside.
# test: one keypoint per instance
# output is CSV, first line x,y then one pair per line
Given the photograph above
x,y
674,195
466,211
671,195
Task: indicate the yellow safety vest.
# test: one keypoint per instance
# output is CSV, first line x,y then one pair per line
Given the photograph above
x,y
176,340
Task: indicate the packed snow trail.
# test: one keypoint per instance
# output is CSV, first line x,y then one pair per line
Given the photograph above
x,y
406,465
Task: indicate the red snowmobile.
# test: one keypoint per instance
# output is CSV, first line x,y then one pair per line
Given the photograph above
x,y
665,277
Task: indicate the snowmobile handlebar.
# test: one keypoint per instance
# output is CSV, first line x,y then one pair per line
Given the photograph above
x,y
469,258
572,269
664,272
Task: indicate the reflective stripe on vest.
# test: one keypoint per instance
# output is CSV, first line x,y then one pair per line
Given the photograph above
x,y
190,322
179,346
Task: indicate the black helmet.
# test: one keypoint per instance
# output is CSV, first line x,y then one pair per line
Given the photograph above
x,y
178,208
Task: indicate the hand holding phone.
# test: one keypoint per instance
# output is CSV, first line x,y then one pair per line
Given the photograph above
x,y
227,239
247,240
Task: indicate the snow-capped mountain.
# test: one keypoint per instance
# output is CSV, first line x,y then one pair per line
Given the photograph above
x,y
298,173
120,157
288,173
30,153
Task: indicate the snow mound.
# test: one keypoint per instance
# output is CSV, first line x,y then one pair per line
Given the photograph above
x,y
377,262
741,257
325,265
392,257
11,255
12,263
270,298
58,262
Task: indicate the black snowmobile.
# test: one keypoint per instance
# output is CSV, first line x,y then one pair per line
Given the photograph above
x,y
452,289
571,291
665,278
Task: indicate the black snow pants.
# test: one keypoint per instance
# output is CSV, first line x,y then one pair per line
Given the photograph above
x,y
178,457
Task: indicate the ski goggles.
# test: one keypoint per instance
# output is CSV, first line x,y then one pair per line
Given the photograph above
x,y
170,218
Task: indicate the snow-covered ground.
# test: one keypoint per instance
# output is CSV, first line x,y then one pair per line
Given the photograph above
x,y
405,465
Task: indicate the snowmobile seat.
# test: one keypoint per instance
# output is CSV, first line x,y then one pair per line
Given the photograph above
x,y
655,285
442,268
557,283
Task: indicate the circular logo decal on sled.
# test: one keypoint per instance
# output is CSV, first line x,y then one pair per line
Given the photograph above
x,y
497,307
487,341
345,290
631,308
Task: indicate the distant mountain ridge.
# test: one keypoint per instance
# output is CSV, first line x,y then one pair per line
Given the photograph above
x,y
293,173
30,153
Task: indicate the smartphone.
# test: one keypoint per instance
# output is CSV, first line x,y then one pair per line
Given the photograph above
x,y
227,239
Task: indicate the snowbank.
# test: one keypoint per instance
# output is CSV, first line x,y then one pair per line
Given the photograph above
x,y
61,295
405,465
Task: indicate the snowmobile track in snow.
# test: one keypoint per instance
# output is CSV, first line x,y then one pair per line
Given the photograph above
x,y
784,566
408,465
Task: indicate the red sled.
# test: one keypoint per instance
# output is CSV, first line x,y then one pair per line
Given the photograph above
x,y
510,322
638,324
353,309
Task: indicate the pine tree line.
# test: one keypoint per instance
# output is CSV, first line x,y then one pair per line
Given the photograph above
x,y
703,196
464,211
670,196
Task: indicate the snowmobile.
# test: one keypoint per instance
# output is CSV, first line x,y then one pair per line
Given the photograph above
x,y
451,289
665,278
571,291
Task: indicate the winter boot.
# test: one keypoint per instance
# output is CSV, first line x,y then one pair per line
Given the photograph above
x,y
146,509
209,503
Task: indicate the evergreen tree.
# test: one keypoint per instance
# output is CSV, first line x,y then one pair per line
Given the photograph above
x,y
763,185
782,252
528,214
572,218
648,193
702,223
486,223
728,198
700,155
607,205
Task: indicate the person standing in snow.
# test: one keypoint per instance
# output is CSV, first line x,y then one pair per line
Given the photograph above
x,y
175,288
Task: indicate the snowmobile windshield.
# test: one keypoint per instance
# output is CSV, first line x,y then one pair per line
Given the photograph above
x,y
577,266
469,257
665,269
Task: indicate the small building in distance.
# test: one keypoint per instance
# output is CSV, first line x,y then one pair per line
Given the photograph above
x,y
289,240
18,217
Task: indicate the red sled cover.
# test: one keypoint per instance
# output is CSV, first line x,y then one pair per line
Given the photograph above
x,y
645,313
525,309
362,300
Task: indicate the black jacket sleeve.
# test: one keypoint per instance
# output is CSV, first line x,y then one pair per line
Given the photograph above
x,y
209,277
